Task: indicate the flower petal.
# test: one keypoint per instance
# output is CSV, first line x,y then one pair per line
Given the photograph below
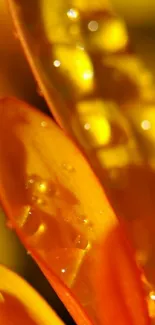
x,y
20,304
59,210
119,284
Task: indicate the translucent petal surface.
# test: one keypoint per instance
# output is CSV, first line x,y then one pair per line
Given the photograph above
x,y
60,212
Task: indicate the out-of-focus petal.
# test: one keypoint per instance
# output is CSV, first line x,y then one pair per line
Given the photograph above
x,y
20,304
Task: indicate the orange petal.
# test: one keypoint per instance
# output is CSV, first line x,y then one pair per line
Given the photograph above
x,y
58,208
20,304
119,284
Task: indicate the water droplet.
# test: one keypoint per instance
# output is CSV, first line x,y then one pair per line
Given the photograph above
x,y
152,295
28,253
31,181
93,26
63,270
72,13
68,167
82,218
87,126
56,63
44,124
38,200
85,221
151,304
42,187
81,242
41,229
32,223
2,299
38,189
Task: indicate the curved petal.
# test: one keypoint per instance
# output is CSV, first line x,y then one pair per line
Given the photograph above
x,y
87,101
118,279
20,304
59,210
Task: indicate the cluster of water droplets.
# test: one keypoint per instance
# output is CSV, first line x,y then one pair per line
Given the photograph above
x,y
48,229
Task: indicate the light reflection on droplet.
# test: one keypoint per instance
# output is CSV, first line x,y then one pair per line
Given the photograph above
x,y
152,295
87,126
43,124
88,75
68,167
146,125
63,270
93,26
151,304
30,181
72,14
81,242
26,214
41,228
43,187
40,201
56,63
85,221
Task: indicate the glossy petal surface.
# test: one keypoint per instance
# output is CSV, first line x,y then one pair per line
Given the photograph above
x,y
61,214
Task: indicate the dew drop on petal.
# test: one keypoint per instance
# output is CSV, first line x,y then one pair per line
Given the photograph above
x,y
87,126
81,242
68,167
44,124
